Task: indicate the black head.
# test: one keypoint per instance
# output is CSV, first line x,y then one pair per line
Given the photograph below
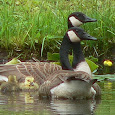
x,y
76,34
78,18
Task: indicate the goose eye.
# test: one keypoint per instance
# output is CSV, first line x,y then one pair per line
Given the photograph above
x,y
84,32
84,15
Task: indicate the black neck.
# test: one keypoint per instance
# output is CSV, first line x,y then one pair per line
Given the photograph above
x,y
77,54
69,24
64,51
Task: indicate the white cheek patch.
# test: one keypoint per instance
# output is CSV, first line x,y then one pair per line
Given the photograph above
x,y
73,37
74,21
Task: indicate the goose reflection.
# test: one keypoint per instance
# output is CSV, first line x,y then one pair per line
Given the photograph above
x,y
73,107
28,101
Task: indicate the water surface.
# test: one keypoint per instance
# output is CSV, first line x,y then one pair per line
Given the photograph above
x,y
28,103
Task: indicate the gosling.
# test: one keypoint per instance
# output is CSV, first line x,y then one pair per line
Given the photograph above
x,y
10,85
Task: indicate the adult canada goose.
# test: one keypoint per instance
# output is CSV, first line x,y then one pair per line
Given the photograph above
x,y
42,68
71,39
71,84
79,63
75,19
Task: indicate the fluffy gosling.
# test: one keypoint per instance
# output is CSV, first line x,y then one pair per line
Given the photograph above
x,y
11,85
28,84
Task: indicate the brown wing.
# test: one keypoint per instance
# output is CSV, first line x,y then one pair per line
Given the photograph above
x,y
38,70
60,76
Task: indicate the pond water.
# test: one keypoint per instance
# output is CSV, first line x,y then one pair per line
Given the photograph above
x,y
27,103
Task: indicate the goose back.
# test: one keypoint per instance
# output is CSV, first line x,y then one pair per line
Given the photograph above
x,y
38,70
67,77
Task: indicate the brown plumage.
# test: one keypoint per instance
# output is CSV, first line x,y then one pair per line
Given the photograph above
x,y
61,84
45,75
38,70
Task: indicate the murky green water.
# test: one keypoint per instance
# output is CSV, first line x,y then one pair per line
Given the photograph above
x,y
28,103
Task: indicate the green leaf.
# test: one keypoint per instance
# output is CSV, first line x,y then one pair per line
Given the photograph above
x,y
108,77
13,61
93,59
58,63
111,79
71,59
53,57
92,65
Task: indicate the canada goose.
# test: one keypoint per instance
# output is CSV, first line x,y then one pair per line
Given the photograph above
x,y
72,38
10,85
74,19
28,84
79,63
64,84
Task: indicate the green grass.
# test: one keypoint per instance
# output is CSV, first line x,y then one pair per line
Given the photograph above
x,y
40,25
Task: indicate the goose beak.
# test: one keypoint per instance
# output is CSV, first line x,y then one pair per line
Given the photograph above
x,y
88,37
32,84
88,19
92,38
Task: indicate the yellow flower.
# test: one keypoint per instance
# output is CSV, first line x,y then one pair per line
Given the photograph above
x,y
107,63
